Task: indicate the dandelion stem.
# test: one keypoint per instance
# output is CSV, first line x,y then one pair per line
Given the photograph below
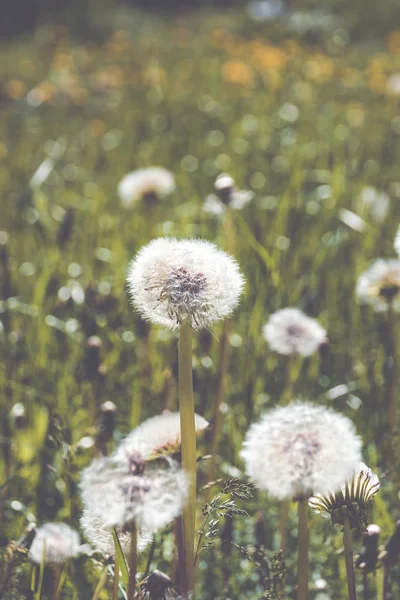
x,y
348,553
132,563
188,448
302,563
223,369
386,583
283,520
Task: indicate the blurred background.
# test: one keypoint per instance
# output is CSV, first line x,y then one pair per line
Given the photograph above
x,y
299,102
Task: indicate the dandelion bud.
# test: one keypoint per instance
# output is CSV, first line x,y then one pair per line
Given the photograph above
x,y
351,500
158,436
296,449
150,183
65,230
173,280
157,586
391,551
369,554
54,543
379,286
290,331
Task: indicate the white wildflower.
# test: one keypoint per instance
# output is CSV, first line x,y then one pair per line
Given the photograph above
x,y
54,543
380,285
130,491
152,182
158,436
100,537
227,194
290,331
297,449
171,280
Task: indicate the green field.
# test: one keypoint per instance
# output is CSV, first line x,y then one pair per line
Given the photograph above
x,y
310,124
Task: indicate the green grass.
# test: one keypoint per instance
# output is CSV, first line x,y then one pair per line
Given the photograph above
x,y
164,95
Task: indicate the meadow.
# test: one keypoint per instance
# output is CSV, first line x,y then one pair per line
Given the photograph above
x,y
305,118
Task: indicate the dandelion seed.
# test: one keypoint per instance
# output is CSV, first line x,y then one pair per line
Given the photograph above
x,y
172,280
290,331
55,543
149,183
297,449
351,500
226,195
379,286
158,436
127,491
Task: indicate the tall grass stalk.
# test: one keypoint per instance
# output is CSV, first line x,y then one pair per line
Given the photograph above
x,y
188,448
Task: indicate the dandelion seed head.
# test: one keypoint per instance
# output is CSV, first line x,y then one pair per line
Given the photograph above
x,y
290,331
100,536
129,491
379,285
171,280
55,543
296,449
158,436
155,182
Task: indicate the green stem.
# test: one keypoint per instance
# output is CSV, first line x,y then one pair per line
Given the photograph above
x,y
283,520
386,583
188,449
348,553
302,562
116,579
132,563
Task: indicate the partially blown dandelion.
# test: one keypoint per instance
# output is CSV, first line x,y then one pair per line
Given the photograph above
x,y
160,435
173,280
226,195
54,543
297,449
379,285
149,183
131,492
290,331
99,535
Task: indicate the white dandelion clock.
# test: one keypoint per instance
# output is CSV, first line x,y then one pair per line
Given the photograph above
x,y
300,448
171,281
158,436
100,536
131,492
290,331
379,285
54,543
152,182
226,195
